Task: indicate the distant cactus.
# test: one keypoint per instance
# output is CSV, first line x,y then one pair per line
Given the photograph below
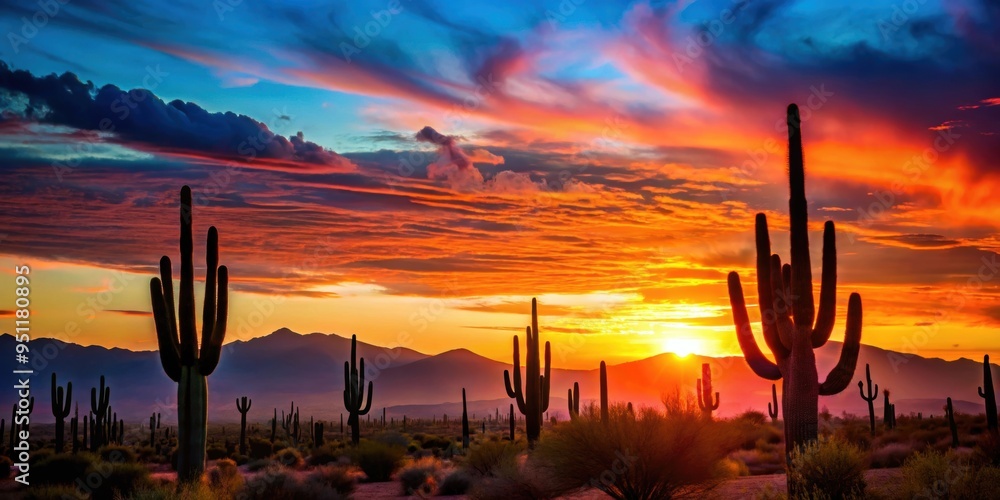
x,y
61,403
317,434
705,392
870,397
243,406
74,428
604,393
177,338
152,430
533,395
574,400
949,413
100,399
465,423
788,314
354,391
986,392
511,421
772,411
290,424
887,411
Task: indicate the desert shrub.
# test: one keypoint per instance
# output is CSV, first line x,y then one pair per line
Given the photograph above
x,y
333,477
260,448
216,452
513,482
120,480
891,455
63,468
827,468
273,483
489,456
988,449
290,457
650,455
855,432
259,465
147,454
932,474
5,465
979,483
116,453
391,438
753,417
378,460
328,453
459,482
50,492
225,479
38,456
759,461
420,477
431,441
241,459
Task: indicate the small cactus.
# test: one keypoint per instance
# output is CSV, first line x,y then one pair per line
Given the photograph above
x,y
243,406
887,412
604,393
705,393
870,397
61,401
354,391
99,406
465,423
949,413
990,397
574,401
772,410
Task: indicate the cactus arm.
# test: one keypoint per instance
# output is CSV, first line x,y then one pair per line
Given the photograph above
x,y
546,380
765,292
826,315
716,405
841,375
211,272
212,348
185,307
701,398
760,365
782,306
167,281
368,406
801,283
166,337
348,399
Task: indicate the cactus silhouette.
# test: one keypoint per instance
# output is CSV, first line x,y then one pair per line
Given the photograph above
x,y
74,428
949,413
604,393
990,397
465,423
243,406
274,425
100,399
886,411
317,434
152,430
60,409
705,392
772,410
354,391
870,397
511,421
574,400
533,395
787,311
177,338
291,424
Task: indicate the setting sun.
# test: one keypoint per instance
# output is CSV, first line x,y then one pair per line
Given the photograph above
x,y
681,346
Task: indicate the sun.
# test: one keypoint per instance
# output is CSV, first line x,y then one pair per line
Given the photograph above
x,y
681,346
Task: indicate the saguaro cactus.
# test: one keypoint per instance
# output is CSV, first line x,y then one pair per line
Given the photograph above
x,y
317,434
354,391
291,424
60,409
870,397
705,392
74,428
274,425
100,400
511,421
886,411
949,413
990,397
243,406
772,410
604,393
465,423
152,430
533,395
177,337
791,326
574,400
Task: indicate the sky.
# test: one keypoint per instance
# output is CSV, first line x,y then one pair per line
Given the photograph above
x,y
415,172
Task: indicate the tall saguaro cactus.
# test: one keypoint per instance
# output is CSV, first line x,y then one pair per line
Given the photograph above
x,y
990,397
949,413
604,393
887,411
574,400
100,405
177,337
791,325
533,395
354,391
772,410
60,409
870,397
705,392
465,423
511,421
243,406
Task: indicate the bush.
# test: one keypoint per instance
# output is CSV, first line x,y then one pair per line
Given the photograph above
x,y
5,465
428,442
120,480
116,454
649,455
291,458
377,460
932,474
459,482
978,483
420,477
273,483
50,492
891,455
334,477
391,438
225,479
515,482
260,448
489,456
326,454
63,468
827,468
216,452
259,465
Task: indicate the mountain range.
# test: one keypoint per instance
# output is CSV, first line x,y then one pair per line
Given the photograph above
x,y
285,366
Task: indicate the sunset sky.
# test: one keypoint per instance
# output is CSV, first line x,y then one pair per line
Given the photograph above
x,y
416,171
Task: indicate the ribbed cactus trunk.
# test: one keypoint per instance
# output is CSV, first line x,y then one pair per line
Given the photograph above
x,y
704,386
274,425
791,325
870,397
512,422
61,401
949,413
886,411
465,423
772,407
183,360
573,396
533,395
152,430
990,397
243,406
605,409
100,399
354,391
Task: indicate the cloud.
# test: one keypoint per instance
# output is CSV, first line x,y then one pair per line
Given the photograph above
x,y
140,119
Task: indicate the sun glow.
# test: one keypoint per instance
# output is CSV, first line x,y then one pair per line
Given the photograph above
x,y
681,346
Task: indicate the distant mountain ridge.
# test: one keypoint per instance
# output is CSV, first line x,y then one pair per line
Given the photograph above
x,y
285,366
